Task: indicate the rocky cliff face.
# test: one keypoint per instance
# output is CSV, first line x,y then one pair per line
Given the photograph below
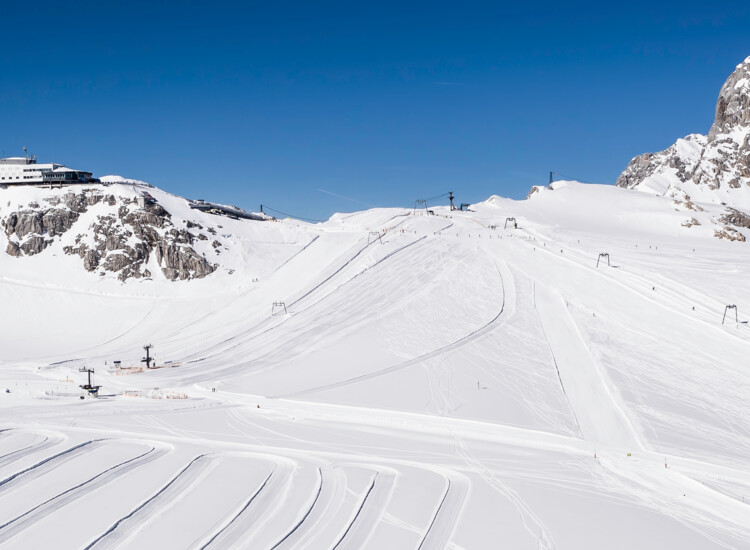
x,y
713,168
111,233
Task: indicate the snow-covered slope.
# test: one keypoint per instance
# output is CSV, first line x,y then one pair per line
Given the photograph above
x,y
387,379
713,168
125,230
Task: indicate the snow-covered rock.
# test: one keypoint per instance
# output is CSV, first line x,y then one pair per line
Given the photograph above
x,y
713,168
120,235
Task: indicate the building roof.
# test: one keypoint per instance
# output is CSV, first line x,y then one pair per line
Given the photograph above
x,y
64,169
16,160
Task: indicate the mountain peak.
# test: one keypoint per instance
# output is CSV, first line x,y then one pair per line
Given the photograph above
x,y
733,105
713,168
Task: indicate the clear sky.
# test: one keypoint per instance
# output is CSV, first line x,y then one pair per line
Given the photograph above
x,y
318,107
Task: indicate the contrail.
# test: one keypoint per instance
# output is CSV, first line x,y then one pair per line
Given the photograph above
x,y
345,198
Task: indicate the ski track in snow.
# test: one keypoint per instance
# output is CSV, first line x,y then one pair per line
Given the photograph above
x,y
261,505
599,416
48,464
225,535
496,321
26,519
345,476
46,442
129,525
531,522
356,531
287,537
447,513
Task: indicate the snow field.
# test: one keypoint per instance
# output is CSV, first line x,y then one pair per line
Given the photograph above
x,y
457,386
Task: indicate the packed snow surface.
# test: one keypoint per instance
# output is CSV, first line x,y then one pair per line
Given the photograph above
x,y
422,381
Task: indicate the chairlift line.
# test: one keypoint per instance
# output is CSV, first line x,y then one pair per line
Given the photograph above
x,y
264,207
438,196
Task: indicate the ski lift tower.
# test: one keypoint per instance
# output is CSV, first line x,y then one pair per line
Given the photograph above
x,y
89,387
736,317
450,198
148,359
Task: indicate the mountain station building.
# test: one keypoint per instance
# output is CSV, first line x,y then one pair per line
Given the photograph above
x,y
26,171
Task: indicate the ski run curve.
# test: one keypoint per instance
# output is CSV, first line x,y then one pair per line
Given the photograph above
x,y
432,382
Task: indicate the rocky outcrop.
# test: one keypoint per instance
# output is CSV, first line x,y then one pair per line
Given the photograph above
x,y
719,161
733,105
123,238
53,221
736,218
181,262
729,234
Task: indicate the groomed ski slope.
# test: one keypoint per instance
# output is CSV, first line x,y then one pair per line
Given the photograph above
x,y
437,381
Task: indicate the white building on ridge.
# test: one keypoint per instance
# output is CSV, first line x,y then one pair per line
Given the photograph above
x,y
26,170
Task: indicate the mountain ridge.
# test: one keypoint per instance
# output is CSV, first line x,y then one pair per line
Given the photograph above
x,y
713,168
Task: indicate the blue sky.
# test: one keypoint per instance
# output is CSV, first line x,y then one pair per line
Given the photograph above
x,y
314,108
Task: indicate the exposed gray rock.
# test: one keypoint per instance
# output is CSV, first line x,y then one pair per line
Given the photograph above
x,y
730,234
91,260
691,222
121,240
95,197
182,262
721,160
733,105
76,202
22,223
58,221
53,221
181,236
736,218
13,249
34,245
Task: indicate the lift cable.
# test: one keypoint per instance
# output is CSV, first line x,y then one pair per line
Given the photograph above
x,y
265,207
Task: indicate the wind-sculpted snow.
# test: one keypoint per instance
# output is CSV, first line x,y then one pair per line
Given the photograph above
x,y
431,381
